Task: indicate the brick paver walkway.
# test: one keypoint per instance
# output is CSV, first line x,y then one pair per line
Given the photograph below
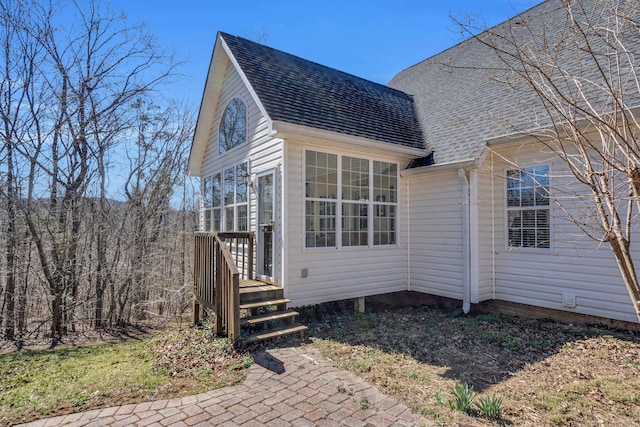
x,y
291,386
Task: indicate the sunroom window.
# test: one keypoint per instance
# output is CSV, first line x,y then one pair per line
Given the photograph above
x,y
366,203
321,186
225,200
236,208
385,200
211,202
355,206
528,213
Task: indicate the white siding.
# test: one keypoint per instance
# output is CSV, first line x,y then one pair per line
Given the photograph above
x,y
575,265
336,274
486,248
262,151
436,234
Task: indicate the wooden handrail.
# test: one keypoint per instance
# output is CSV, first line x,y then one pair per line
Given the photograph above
x,y
221,260
227,292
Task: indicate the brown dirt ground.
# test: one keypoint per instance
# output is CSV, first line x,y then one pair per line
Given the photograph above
x,y
38,340
547,373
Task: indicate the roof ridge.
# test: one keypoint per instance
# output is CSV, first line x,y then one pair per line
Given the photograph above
x,y
281,52
472,37
303,92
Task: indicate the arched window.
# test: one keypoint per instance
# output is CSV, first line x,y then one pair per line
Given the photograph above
x,y
233,126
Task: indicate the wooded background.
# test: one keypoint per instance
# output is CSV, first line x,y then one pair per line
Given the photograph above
x,y
95,211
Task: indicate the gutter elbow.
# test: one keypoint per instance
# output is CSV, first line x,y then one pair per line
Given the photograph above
x,y
462,174
466,306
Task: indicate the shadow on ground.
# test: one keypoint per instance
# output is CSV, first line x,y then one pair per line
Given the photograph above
x,y
479,349
271,363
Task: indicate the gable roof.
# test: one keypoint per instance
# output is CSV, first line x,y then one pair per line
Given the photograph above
x,y
466,97
301,92
459,102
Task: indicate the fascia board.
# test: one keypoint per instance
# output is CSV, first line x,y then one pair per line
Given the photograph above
x,y
219,59
443,167
206,113
302,133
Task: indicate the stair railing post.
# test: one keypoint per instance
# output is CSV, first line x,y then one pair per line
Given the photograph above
x,y
196,271
217,295
251,240
234,328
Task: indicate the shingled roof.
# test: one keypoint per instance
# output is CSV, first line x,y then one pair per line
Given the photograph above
x,y
466,97
302,92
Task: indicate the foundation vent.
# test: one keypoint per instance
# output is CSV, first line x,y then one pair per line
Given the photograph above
x,y
568,300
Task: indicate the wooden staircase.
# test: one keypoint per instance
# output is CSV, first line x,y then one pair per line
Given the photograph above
x,y
223,285
264,313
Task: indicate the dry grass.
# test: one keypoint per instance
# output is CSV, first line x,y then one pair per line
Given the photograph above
x,y
39,382
547,374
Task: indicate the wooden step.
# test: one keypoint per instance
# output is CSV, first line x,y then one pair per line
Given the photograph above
x,y
265,303
259,288
267,317
275,333
261,292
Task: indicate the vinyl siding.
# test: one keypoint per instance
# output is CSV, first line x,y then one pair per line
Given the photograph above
x,y
262,151
486,246
436,234
575,266
337,274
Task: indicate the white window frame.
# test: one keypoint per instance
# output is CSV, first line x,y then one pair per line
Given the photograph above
x,y
507,209
224,113
206,203
209,210
235,204
339,201
322,216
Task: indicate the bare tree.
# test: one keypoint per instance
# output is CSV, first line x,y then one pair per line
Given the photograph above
x,y
66,103
156,161
572,64
19,55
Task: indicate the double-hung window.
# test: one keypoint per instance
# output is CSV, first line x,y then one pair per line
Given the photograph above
x,y
321,187
528,208
216,188
355,204
225,200
236,207
385,201
211,202
206,203
350,201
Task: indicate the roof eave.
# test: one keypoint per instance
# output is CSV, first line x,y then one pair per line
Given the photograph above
x,y
550,131
442,167
208,105
285,130
206,111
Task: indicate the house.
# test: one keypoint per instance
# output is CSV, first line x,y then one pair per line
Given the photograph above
x,y
356,189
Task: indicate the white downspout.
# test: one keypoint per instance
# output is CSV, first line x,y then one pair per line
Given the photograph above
x,y
408,236
466,279
493,232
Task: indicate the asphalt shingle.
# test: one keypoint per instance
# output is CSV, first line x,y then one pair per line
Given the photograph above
x,y
466,95
302,92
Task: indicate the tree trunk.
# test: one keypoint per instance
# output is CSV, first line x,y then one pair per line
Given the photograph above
x,y
12,242
621,251
57,330
23,294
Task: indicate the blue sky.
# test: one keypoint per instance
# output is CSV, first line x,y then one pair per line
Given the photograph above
x,y
373,39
